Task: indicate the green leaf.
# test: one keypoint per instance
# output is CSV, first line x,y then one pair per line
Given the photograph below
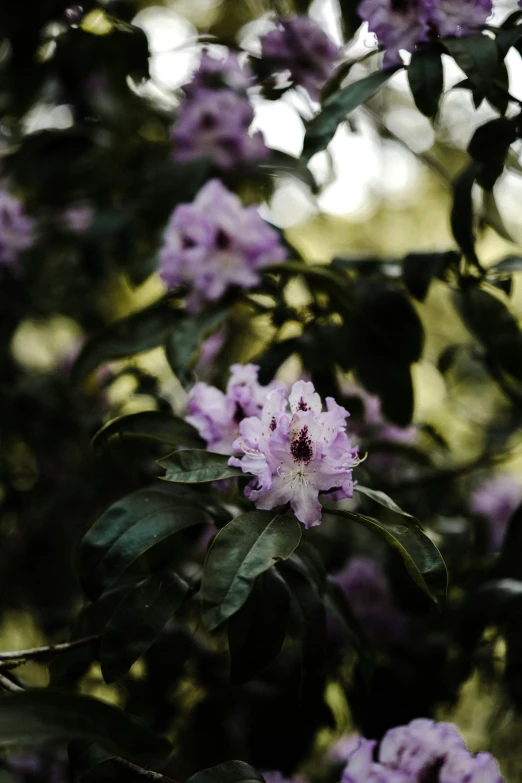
x,y
309,617
271,360
229,772
46,715
321,129
249,545
256,632
419,269
462,216
138,620
281,163
421,557
193,467
139,332
508,264
131,527
489,146
477,55
382,499
183,345
149,424
426,78
496,328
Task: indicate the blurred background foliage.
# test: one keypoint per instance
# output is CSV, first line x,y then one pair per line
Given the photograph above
x,y
85,114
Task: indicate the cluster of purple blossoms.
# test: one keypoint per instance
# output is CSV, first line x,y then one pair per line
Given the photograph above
x,y
402,24
421,751
16,229
368,593
216,115
296,454
299,47
497,500
215,243
217,415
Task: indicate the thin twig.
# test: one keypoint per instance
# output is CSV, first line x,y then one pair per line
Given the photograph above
x,y
35,652
145,773
9,685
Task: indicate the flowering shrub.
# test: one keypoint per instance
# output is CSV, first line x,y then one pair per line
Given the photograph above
x,y
268,516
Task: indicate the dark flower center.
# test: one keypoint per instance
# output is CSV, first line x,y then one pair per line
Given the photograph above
x,y
239,413
301,447
222,240
301,405
273,425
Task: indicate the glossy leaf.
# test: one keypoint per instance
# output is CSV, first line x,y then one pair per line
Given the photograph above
x,y
45,715
183,345
257,631
382,499
462,216
138,620
131,527
242,550
321,129
419,269
426,79
139,332
195,467
421,557
477,55
149,424
229,772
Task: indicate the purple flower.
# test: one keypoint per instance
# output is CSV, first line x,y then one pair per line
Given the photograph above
x,y
361,767
368,593
299,46
217,415
402,24
214,124
295,455
78,217
497,500
36,769
419,747
216,73
16,229
462,767
215,243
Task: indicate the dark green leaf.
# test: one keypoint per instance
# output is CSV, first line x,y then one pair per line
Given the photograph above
x,y
45,715
139,332
241,551
382,499
149,424
351,19
281,163
421,557
508,264
84,757
229,772
339,606
183,345
131,527
257,631
270,361
490,320
310,620
138,620
462,217
489,146
426,78
321,129
420,268
194,467
478,57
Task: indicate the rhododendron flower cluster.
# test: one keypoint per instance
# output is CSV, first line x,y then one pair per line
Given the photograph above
x,y
421,751
300,47
215,243
216,114
496,500
217,415
16,229
401,25
295,450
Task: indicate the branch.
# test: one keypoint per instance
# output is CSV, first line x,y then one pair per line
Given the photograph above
x,y
9,685
35,652
145,773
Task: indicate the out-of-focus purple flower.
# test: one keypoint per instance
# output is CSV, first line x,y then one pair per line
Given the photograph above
x,y
367,590
78,217
16,229
36,769
210,349
297,454
217,415
215,243
299,46
274,776
401,25
343,748
216,73
421,751
215,124
419,747
462,767
496,500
